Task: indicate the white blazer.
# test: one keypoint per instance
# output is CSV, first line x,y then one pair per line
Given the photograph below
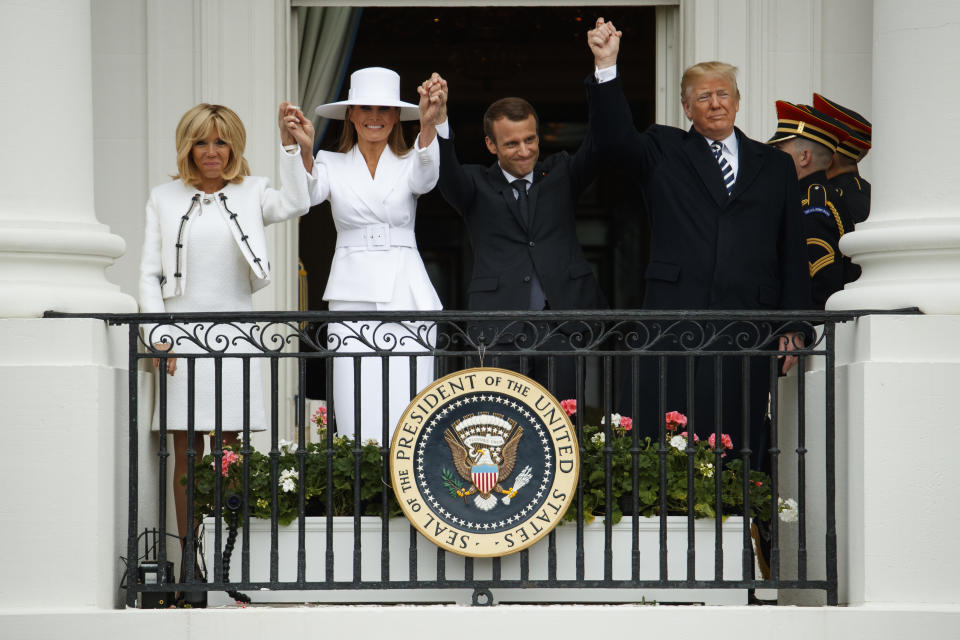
x,y
247,207
375,218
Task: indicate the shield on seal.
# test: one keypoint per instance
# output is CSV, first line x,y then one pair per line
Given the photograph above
x,y
485,476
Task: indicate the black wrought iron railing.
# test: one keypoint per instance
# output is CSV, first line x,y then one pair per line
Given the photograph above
x,y
722,370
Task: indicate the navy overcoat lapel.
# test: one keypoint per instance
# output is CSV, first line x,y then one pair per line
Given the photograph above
x,y
750,160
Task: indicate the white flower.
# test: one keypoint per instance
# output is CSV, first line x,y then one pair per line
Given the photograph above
x,y
788,510
288,480
706,469
598,438
614,419
287,446
679,443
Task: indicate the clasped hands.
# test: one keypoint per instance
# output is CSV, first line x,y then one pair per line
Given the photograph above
x,y
604,42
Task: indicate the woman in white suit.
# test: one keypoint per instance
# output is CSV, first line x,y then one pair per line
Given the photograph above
x,y
204,249
373,181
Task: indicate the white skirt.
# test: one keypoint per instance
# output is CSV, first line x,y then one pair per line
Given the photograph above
x,y
358,337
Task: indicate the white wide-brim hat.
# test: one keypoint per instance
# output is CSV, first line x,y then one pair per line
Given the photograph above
x,y
374,87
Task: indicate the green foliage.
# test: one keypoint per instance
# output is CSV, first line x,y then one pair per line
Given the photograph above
x,y
317,493
451,481
703,460
339,496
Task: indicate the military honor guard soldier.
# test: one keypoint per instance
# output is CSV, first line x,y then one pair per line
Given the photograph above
x,y
811,140
843,172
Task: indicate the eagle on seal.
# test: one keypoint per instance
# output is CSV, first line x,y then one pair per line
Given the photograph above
x,y
483,468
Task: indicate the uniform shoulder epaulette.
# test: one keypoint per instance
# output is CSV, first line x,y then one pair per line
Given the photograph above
x,y
816,195
818,202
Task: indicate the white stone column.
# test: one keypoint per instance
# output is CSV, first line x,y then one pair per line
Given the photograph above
x,y
897,404
909,247
53,251
63,382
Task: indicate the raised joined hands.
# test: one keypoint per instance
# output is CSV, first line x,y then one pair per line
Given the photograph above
x,y
604,42
294,126
433,100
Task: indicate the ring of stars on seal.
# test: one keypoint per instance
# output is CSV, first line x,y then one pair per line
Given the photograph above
x,y
484,462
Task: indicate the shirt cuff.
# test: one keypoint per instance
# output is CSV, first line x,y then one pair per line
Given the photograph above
x,y
291,149
426,149
605,75
443,129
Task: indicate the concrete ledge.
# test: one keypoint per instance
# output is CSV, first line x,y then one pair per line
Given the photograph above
x,y
417,622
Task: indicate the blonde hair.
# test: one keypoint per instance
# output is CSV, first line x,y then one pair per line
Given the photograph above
x,y
196,124
713,68
348,136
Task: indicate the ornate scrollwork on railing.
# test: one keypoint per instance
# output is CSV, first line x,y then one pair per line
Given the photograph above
x,y
464,333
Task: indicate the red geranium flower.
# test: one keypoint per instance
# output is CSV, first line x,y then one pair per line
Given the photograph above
x,y
675,420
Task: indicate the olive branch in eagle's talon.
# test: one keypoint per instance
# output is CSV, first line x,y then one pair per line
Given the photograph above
x,y
453,484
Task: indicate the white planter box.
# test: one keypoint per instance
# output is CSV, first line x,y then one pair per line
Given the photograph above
x,y
371,548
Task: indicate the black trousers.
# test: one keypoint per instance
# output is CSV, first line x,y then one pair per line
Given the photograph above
x,y
731,390
555,373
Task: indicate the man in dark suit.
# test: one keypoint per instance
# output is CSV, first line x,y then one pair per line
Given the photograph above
x,y
520,214
726,233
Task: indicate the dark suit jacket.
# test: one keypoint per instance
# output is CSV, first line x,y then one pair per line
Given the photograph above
x,y
708,250
508,250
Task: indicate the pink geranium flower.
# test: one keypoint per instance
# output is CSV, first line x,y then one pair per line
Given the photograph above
x,y
229,457
696,438
569,405
626,423
725,441
675,420
320,417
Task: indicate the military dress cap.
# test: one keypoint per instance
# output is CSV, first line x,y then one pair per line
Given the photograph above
x,y
847,116
852,144
794,121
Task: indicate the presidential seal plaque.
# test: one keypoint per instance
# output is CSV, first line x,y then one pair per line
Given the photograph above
x,y
484,462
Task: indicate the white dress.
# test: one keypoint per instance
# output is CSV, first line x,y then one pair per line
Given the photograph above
x,y
219,281
208,252
376,267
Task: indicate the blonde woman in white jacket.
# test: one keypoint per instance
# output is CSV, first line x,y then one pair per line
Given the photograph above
x,y
373,181
204,249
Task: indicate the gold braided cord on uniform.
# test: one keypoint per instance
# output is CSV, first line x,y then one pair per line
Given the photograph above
x,y
836,216
826,260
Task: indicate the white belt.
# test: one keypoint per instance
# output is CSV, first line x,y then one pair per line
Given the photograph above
x,y
377,237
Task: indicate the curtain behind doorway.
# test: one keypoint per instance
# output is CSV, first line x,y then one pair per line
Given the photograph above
x,y
326,36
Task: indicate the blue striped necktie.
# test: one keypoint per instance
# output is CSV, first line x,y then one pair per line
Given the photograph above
x,y
725,169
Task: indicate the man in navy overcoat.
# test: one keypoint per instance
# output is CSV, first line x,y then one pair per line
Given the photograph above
x,y
726,234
